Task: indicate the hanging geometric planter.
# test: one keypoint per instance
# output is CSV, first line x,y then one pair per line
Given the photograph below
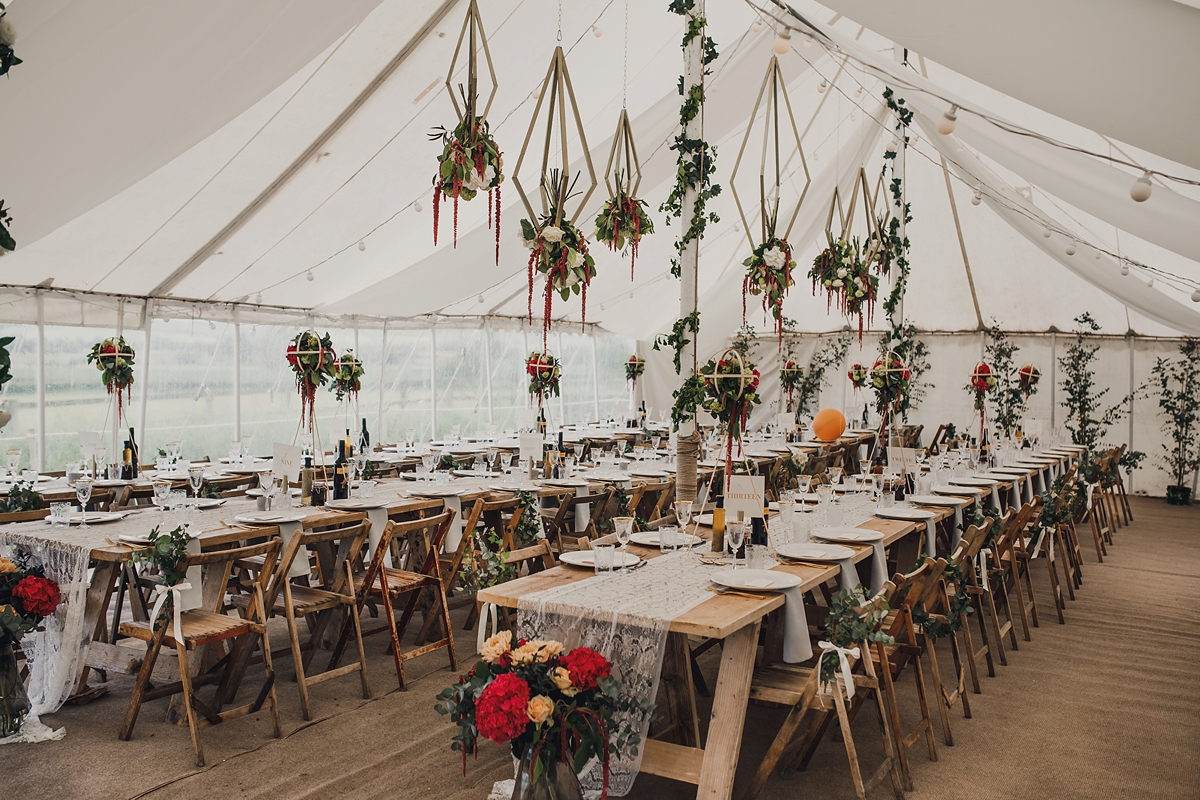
x,y
623,219
558,249
544,373
770,266
471,161
843,269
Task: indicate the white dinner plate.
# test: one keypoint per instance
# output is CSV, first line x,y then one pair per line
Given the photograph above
x,y
210,502
958,490
270,517
983,482
935,500
902,512
755,580
254,470
436,492
356,504
704,519
136,539
814,551
852,535
650,539
516,487
649,473
1009,472
95,517
587,558
574,483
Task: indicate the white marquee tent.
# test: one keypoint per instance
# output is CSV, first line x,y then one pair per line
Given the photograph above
x,y
216,172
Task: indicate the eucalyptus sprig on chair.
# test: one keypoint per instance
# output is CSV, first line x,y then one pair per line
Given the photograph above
x,y
846,626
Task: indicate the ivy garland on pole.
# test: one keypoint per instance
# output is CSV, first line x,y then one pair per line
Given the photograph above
x,y
894,247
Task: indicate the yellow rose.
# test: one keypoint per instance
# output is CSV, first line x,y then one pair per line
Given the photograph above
x,y
494,648
536,651
7,566
562,679
539,709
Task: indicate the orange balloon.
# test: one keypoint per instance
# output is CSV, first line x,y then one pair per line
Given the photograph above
x,y
829,424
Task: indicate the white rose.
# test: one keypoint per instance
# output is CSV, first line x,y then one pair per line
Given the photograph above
x,y
842,272
530,244
838,283
8,33
489,175
773,258
552,234
574,258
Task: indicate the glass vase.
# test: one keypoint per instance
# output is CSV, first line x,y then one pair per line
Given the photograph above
x,y
14,702
557,781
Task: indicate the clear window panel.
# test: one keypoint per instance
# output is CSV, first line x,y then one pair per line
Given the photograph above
x,y
191,392
612,352
461,381
406,398
19,396
510,386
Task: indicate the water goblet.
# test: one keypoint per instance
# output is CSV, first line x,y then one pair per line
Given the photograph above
x,y
683,514
360,463
162,493
803,483
735,531
13,459
624,529
492,452
578,448
654,442
427,461
410,436
235,451
83,492
196,479
247,443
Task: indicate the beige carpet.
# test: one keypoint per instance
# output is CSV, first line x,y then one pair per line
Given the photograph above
x,y
1105,706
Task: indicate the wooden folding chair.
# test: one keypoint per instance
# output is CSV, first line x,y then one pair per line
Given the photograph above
x,y
570,539
1013,568
800,688
449,566
972,542
388,585
199,627
653,499
337,550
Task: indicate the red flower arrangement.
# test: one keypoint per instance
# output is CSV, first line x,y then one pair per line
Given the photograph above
x,y
548,706
114,359
635,367
844,273
982,382
470,163
38,595
731,389
27,597
1028,377
314,362
858,375
544,373
790,376
623,220
769,273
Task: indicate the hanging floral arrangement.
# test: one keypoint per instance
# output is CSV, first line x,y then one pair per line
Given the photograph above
x,y
843,273
623,221
544,372
314,363
558,251
635,368
790,377
769,273
1028,377
858,375
6,240
982,382
8,37
889,380
114,359
347,377
730,391
470,163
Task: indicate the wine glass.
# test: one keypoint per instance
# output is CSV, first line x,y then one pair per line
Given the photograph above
x,y
83,491
624,528
162,493
824,494
196,480
410,436
578,453
835,478
803,483
235,451
683,514
13,458
735,531
654,441
492,452
247,443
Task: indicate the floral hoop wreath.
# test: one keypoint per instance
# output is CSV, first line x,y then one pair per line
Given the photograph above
x,y
790,376
730,389
544,372
889,379
983,380
843,272
470,163
858,375
114,359
347,377
1028,376
635,368
314,363
769,273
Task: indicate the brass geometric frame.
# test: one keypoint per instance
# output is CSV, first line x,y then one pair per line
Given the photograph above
x,y
556,92
623,153
472,28
773,80
846,216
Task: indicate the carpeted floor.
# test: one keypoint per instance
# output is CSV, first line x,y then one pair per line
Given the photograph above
x,y
1103,707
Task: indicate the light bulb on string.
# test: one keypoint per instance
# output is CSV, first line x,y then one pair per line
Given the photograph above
x,y
807,42
309,276
597,32
976,198
418,207
362,246
1196,296
783,41
858,92
824,85
756,26
1150,283
1140,191
1071,249
1124,269
1097,255
212,326
945,125
258,299
1046,233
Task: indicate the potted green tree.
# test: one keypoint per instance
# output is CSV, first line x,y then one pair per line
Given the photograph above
x,y
1177,384
5,374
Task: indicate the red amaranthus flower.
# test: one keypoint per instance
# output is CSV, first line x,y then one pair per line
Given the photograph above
x,y
500,710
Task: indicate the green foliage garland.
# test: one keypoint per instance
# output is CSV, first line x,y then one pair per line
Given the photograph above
x,y
1085,420
847,626
484,565
5,360
677,339
894,248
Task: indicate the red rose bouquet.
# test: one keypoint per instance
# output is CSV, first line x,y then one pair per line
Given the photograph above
x,y
114,359
27,597
544,372
347,377
550,707
858,376
982,382
1028,377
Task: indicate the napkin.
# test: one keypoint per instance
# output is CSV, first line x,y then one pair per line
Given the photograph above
x,y
300,567
878,567
849,576
583,513
454,536
193,597
379,521
930,540
796,644
956,533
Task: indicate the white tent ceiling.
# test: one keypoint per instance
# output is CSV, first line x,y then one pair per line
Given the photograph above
x,y
347,130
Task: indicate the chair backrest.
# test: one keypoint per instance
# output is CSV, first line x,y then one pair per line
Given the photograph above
x,y
431,565
652,499
346,542
909,590
534,558
24,516
223,560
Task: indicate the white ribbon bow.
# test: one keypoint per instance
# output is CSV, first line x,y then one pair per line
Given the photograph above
x,y
844,656
175,592
983,576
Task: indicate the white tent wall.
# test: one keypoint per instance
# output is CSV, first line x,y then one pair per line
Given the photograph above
x,y
952,358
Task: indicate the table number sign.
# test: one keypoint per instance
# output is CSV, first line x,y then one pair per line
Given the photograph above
x,y
288,460
745,493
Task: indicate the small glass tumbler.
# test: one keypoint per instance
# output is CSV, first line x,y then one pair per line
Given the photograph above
x,y
604,558
668,538
60,515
